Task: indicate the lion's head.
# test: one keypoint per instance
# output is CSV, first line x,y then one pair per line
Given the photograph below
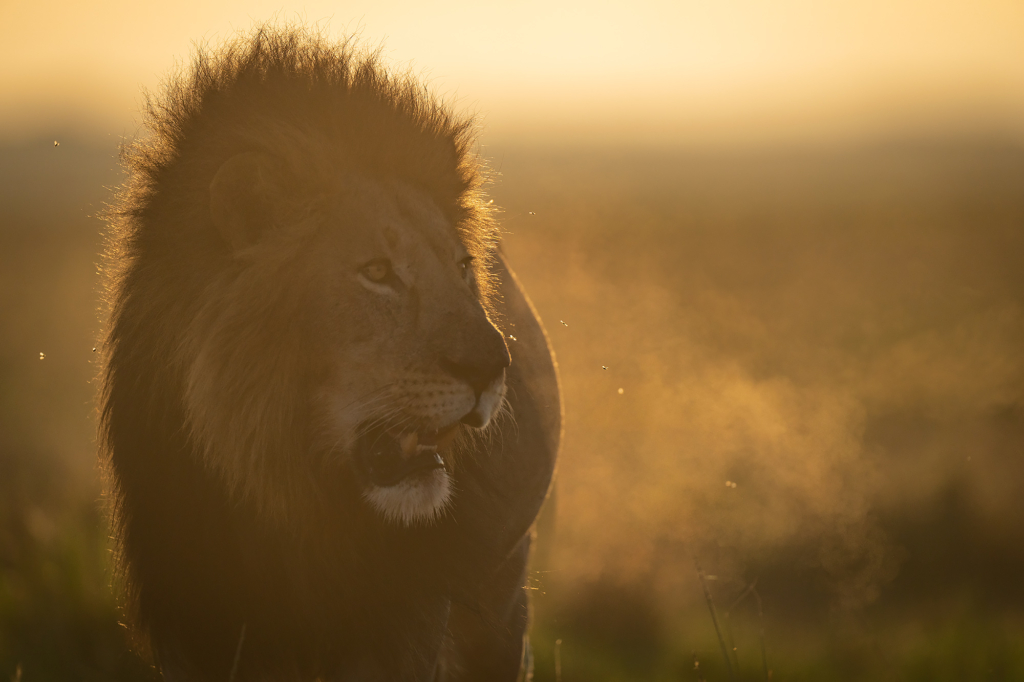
x,y
325,252
369,279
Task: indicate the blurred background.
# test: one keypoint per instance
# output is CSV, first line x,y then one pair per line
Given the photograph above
x,y
779,249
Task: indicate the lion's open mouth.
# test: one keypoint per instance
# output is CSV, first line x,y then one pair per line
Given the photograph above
x,y
387,457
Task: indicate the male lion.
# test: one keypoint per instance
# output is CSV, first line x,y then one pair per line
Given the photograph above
x,y
304,374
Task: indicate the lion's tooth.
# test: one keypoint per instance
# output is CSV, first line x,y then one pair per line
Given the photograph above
x,y
409,443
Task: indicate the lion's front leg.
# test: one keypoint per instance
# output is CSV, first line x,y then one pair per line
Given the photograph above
x,y
487,637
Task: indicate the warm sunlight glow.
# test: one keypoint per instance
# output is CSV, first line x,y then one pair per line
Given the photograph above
x,y
610,72
777,247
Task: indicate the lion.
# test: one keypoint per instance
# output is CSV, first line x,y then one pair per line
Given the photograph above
x,y
329,413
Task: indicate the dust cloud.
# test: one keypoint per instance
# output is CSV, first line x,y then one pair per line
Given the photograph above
x,y
810,347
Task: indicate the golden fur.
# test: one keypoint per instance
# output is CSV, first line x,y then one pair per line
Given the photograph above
x,y
302,273
241,346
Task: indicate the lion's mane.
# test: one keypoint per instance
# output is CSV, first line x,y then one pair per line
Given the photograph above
x,y
227,531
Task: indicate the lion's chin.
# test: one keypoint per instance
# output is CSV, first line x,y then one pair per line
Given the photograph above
x,y
419,499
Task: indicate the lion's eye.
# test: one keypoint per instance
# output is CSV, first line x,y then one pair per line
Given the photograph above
x,y
377,270
464,268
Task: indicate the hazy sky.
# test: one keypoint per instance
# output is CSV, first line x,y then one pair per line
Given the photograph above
x,y
690,71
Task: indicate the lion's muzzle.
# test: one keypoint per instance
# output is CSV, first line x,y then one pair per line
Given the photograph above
x,y
406,473
387,458
478,357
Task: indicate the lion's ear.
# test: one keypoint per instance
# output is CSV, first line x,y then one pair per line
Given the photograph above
x,y
241,198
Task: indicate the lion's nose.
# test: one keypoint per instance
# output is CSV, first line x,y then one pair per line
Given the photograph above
x,y
480,365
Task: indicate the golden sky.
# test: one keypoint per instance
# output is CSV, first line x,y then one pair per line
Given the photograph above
x,y
698,72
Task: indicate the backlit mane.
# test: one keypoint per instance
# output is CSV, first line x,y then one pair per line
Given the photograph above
x,y
309,102
295,92
301,369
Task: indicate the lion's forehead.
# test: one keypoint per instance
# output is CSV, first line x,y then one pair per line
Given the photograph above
x,y
394,220
414,222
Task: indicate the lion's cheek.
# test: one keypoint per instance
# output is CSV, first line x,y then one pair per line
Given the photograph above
x,y
343,412
348,396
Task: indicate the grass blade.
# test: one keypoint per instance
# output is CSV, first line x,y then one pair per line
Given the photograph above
x,y
714,619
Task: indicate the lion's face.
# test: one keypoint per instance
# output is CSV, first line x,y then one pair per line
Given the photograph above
x,y
376,284
416,356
